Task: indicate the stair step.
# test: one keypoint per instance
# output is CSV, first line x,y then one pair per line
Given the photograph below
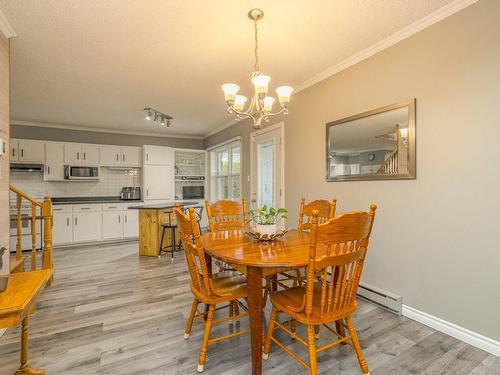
x,y
17,265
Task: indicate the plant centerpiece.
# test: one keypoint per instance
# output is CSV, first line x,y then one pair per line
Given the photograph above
x,y
266,219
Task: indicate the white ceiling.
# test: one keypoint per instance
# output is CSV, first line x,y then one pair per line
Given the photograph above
x,y
95,63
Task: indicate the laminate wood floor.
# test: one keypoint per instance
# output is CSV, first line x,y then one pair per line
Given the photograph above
x,y
111,312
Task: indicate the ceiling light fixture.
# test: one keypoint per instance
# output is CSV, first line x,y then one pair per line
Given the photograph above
x,y
260,107
157,116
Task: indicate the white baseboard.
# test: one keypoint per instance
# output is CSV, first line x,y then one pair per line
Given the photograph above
x,y
460,333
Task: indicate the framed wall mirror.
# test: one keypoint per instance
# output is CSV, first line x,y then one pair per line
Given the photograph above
x,y
374,145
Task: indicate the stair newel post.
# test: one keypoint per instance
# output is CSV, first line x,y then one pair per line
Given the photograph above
x,y
47,216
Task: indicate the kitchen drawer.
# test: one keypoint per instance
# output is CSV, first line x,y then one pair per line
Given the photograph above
x,y
87,208
63,208
113,207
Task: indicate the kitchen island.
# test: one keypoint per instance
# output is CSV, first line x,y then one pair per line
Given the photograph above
x,y
151,217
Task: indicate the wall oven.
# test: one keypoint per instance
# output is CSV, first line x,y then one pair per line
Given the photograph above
x,y
81,173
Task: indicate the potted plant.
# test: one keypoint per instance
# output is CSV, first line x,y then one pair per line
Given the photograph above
x,y
265,219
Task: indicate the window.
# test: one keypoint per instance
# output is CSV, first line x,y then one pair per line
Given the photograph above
x,y
225,172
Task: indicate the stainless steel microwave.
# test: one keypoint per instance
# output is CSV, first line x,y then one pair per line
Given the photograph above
x,y
81,173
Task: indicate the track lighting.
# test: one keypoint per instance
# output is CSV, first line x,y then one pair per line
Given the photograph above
x,y
157,116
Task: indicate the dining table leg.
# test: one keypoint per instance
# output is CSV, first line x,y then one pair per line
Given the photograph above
x,y
255,308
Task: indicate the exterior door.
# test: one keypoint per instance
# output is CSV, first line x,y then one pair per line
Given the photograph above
x,y
266,167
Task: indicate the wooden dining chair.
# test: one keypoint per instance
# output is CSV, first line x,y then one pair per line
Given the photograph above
x,y
209,289
337,253
226,215
325,208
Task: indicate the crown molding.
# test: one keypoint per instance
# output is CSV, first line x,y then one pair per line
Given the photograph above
x,y
429,20
99,130
415,27
5,27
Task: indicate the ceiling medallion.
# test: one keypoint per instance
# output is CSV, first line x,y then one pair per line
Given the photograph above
x,y
261,105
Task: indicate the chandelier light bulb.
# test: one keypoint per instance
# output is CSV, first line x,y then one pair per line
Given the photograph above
x,y
284,94
230,91
268,103
261,83
148,116
163,121
239,102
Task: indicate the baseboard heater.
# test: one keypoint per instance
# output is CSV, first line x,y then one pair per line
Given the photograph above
x,y
380,297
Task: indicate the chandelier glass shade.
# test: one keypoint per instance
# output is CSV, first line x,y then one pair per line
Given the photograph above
x,y
260,108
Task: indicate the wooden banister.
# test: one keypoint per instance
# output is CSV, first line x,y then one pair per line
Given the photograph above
x,y
46,216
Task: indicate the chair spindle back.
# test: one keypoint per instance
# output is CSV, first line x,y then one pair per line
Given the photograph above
x,y
337,253
325,208
226,214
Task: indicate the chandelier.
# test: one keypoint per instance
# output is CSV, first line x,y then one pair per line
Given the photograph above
x,y
261,105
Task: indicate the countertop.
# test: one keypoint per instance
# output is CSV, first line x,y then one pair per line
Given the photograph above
x,y
163,206
91,200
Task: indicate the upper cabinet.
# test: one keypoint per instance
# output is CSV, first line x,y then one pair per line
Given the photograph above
x,y
158,155
111,156
27,151
81,154
54,161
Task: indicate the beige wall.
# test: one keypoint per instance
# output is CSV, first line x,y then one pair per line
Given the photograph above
x,y
434,239
4,160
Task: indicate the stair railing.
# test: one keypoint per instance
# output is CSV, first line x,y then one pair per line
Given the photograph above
x,y
46,216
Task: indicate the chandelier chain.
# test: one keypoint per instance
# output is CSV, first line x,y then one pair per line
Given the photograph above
x,y
256,65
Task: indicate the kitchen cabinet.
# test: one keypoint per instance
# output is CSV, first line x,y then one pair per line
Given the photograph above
x,y
76,154
158,155
112,225
111,156
27,151
131,156
54,161
130,223
62,227
86,223
158,182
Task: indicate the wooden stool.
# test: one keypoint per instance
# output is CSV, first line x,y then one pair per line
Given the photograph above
x,y
173,246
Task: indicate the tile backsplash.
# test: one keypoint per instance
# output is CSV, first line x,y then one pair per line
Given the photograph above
x,y
109,184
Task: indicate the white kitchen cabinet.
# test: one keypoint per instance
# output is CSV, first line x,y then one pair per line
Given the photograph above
x,y
131,156
54,161
112,225
130,223
158,182
110,155
90,155
76,154
62,228
86,223
27,151
158,155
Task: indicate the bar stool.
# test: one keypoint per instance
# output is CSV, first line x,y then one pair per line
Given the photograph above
x,y
172,227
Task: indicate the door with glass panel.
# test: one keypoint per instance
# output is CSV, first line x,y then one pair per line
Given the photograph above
x,y
266,170
225,181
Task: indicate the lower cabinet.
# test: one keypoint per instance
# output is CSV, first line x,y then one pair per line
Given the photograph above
x,y
112,225
131,223
94,223
86,226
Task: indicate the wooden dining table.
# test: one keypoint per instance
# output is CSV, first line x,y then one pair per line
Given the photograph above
x,y
237,248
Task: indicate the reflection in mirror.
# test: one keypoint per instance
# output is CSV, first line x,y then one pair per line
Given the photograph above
x,y
374,145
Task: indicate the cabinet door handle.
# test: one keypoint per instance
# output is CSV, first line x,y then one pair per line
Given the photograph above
x,y
48,170
85,208
147,192
84,156
112,207
117,157
123,157
67,222
22,153
125,217
119,218
76,221
77,156
147,157
13,152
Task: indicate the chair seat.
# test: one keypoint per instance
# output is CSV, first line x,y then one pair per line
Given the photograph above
x,y
292,302
230,283
167,225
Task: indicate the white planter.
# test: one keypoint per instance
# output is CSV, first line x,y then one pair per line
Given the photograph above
x,y
266,229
